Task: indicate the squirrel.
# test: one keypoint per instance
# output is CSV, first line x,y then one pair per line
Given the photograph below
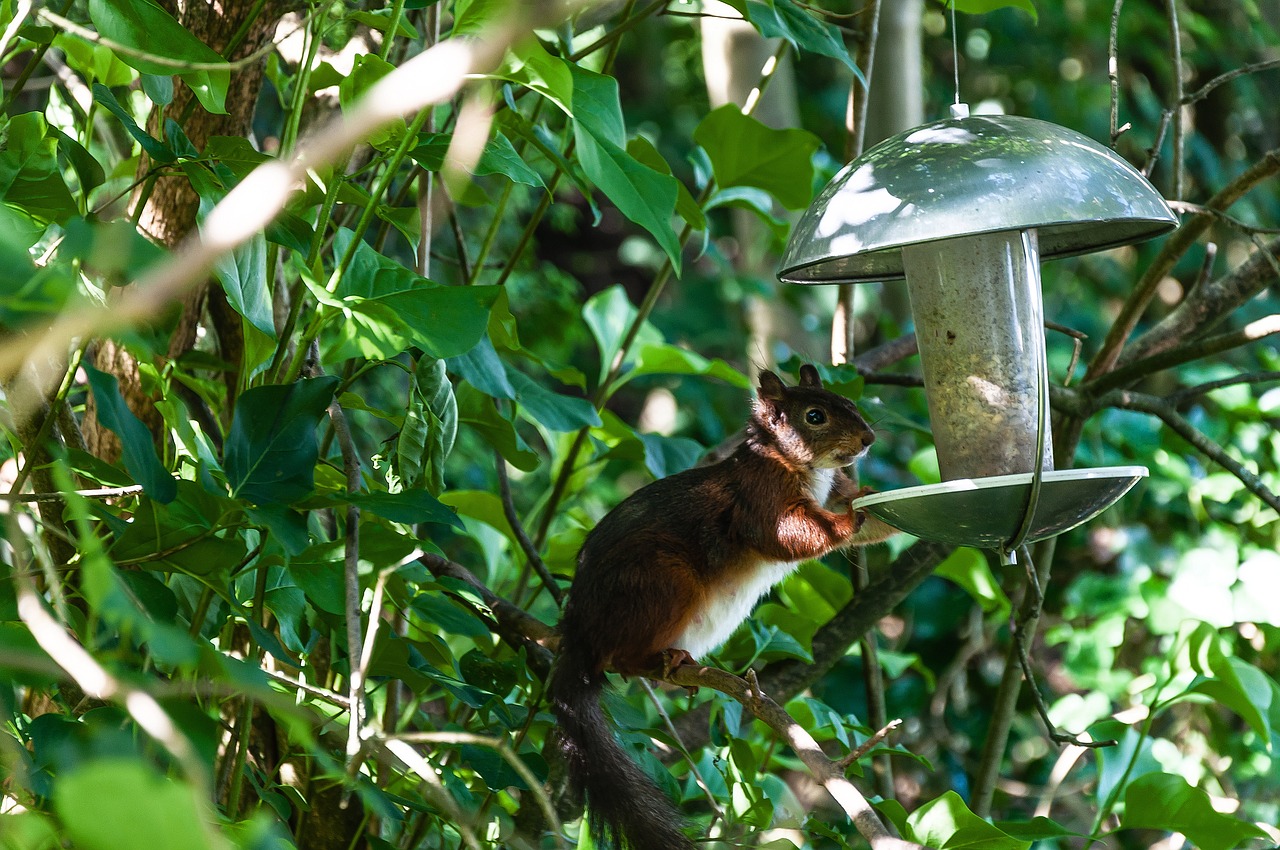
x,y
671,572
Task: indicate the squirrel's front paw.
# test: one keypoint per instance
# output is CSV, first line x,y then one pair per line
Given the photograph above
x,y
858,517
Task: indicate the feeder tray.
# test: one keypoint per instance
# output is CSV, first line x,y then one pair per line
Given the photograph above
x,y
964,209
988,512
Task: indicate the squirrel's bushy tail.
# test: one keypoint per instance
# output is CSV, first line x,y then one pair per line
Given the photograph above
x,y
623,804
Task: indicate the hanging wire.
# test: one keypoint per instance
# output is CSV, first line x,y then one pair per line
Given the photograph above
x,y
955,50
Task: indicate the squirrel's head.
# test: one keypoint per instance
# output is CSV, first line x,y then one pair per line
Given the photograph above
x,y
811,425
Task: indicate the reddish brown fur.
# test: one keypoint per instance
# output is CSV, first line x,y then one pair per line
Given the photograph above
x,y
688,556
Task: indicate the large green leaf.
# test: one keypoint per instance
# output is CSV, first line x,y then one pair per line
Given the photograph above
x,y
407,506
138,452
155,148
180,535
642,194
243,275
476,411
785,19
151,31
947,824
981,7
30,179
123,804
1166,802
271,448
744,152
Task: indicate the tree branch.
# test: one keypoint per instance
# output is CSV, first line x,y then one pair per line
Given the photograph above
x,y
1129,400
828,772
1173,249
1208,304
1193,350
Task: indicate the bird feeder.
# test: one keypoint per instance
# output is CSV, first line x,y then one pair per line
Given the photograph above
x,y
964,209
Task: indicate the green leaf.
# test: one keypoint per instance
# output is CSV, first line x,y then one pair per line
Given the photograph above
x,y
271,449
744,152
784,19
138,451
243,275
969,569
665,456
645,153
530,65
666,359
947,824
151,31
642,194
407,506
476,411
981,7
608,314
155,148
30,178
500,157
1167,803
483,369
179,536
550,409
122,804
1243,688
430,427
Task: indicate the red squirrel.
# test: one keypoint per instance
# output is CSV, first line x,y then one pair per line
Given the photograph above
x,y
670,572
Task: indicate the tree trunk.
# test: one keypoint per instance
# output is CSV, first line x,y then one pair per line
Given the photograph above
x,y
169,211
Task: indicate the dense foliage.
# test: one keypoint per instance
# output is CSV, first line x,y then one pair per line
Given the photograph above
x,y
287,531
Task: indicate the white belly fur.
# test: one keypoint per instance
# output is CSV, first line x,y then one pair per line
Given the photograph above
x,y
728,608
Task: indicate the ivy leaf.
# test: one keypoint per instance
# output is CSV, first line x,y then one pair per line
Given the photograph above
x,y
744,152
138,452
151,31
271,448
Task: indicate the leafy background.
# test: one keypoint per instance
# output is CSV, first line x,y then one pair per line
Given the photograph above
x,y
353,468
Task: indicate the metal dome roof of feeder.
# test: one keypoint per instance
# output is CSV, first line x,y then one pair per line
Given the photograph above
x,y
966,176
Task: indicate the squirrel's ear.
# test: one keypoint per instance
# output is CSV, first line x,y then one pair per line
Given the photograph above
x,y
771,385
809,376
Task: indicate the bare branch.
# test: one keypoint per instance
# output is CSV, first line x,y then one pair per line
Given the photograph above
x,y
1129,400
1195,350
1208,304
1173,249
1222,79
517,528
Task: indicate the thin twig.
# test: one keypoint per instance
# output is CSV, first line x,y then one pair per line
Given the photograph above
x,y
1222,79
1020,637
826,771
1195,350
716,808
517,528
1158,407
1113,71
178,65
99,493
869,744
1182,396
1175,50
1174,247
1232,221
351,581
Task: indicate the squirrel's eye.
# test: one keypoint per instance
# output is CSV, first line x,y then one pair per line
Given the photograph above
x,y
815,416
